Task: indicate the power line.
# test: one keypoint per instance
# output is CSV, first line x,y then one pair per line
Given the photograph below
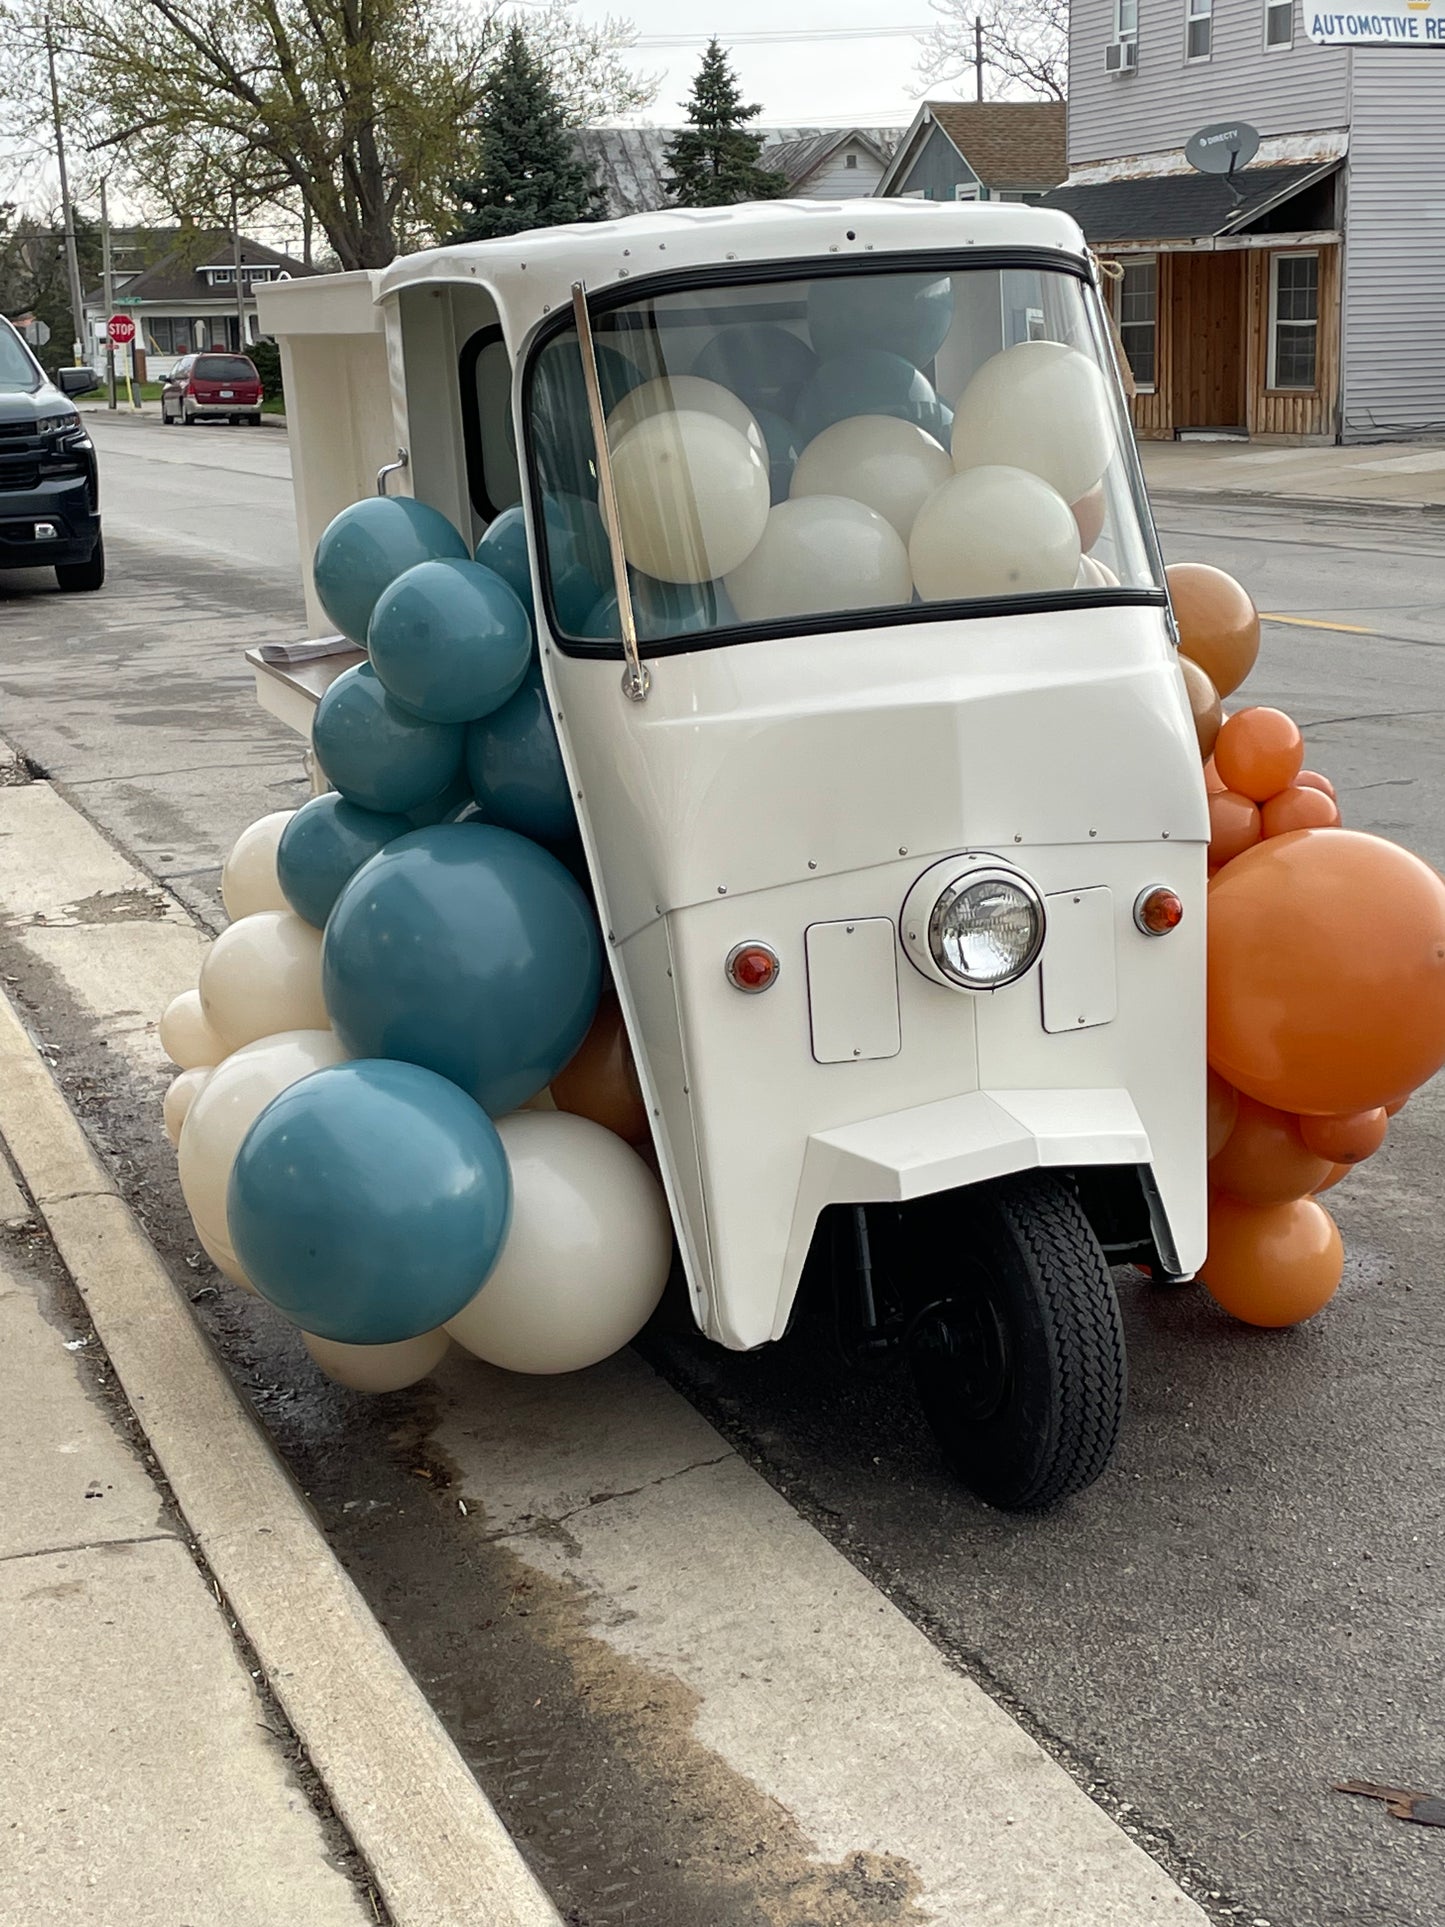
x,y
781,36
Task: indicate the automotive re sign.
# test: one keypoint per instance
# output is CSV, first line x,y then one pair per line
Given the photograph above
x,y
1403,23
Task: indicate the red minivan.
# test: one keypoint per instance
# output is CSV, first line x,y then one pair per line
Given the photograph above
x,y
212,387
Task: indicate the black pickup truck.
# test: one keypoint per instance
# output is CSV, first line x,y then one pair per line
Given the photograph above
x,y
49,488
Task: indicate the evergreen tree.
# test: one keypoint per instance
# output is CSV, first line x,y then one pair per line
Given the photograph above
x,y
715,161
528,172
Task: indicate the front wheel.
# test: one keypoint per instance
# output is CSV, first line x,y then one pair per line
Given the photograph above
x,y
80,576
1017,1350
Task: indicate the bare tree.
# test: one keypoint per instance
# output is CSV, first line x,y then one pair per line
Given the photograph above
x,y
1025,45
356,114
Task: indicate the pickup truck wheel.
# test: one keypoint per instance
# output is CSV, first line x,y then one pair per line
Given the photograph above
x,y
1019,1358
254,420
80,576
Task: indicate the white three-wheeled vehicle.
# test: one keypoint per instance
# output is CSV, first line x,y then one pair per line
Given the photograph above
x,y
854,627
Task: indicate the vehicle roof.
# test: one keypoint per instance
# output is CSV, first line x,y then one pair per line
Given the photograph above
x,y
530,275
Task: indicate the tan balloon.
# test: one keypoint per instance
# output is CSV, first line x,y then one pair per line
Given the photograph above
x,y
692,495
186,1037
180,1095
1095,575
261,976
821,553
248,878
1204,705
378,1368
994,532
235,1095
1218,622
670,395
600,1081
1089,512
1040,406
891,466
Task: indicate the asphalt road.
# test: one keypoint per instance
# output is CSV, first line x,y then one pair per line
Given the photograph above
x,y
1248,1607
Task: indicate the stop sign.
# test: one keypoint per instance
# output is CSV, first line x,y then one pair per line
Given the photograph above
x,y
121,330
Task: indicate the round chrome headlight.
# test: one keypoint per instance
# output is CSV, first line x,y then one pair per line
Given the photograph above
x,y
978,928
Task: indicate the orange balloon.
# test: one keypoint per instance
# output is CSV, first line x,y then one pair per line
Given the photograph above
x,y
1204,704
1213,781
1265,1160
1089,513
1218,624
1312,779
1337,1171
1394,1108
1298,808
1259,752
1346,1140
1223,1109
1326,972
1272,1265
600,1082
1234,826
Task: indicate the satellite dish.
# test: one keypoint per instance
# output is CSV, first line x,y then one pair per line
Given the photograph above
x,y
1223,147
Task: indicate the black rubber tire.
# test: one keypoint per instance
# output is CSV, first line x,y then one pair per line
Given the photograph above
x,y
254,421
78,577
1020,1369
234,420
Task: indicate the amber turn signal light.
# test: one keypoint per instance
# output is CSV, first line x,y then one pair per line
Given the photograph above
x,y
752,967
1158,910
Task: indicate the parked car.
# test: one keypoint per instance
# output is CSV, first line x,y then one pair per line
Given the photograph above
x,y
49,487
212,387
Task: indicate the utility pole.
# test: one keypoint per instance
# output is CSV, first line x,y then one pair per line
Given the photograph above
x,y
978,59
108,277
240,285
72,259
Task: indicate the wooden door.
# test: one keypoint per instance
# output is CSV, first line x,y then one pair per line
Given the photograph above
x,y
1206,320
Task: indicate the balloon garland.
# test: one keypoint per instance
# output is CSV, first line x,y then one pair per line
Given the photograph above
x,y
352,1062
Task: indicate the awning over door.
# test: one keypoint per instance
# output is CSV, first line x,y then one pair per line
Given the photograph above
x,y
1191,207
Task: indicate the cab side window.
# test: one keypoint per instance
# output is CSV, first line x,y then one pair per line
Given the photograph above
x,y
485,374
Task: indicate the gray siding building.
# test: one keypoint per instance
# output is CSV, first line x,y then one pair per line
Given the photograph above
x,y
1303,303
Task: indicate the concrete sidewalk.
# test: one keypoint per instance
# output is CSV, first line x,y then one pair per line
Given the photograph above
x,y
146,1779
1404,475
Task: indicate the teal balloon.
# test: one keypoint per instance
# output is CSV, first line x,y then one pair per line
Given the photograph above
x,y
378,754
902,314
368,546
515,766
866,382
784,445
322,848
662,609
561,424
764,365
577,556
449,641
443,807
468,949
371,1200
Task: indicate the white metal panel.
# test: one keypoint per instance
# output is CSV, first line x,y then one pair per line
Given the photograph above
x,y
853,989
1079,985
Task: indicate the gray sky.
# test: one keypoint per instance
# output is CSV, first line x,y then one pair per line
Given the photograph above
x,y
865,81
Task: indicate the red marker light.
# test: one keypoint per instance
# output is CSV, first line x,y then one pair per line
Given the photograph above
x,y
752,967
1157,911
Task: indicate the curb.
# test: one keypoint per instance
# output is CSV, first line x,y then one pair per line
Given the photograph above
x,y
435,1847
1263,498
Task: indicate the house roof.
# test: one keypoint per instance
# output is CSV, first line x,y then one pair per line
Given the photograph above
x,y
795,160
177,275
629,164
1182,207
1018,144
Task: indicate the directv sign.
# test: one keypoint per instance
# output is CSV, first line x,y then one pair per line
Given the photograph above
x,y
1405,23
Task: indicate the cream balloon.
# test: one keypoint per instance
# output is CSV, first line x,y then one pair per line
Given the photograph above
x,y
672,394
1095,575
180,1095
692,496
261,976
379,1368
818,553
248,877
235,1095
227,1263
186,1037
891,466
993,531
1040,406
587,1255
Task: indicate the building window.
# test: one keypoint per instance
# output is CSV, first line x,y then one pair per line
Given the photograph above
x,y
967,191
1294,317
1279,23
1136,308
1126,19
1198,29
850,160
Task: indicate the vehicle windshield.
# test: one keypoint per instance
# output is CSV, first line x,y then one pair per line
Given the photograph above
x,y
17,370
892,440
224,368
